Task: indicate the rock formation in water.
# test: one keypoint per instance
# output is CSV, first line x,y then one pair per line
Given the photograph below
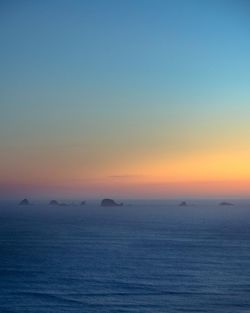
x,y
54,202
24,202
183,203
226,203
110,203
83,202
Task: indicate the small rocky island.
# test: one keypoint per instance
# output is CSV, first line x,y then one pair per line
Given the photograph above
x,y
110,203
24,202
226,203
183,203
83,203
54,202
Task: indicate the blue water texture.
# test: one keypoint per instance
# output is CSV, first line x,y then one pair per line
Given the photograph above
x,y
147,257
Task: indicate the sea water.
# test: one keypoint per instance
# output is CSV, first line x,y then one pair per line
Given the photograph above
x,y
147,256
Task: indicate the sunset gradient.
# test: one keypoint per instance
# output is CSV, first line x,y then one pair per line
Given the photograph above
x,y
130,99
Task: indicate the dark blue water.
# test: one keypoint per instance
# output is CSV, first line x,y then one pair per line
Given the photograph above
x,y
140,258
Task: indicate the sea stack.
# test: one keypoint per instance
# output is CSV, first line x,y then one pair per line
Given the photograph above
x,y
183,203
54,202
226,203
110,203
24,202
83,202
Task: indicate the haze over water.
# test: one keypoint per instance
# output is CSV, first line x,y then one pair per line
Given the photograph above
x,y
153,256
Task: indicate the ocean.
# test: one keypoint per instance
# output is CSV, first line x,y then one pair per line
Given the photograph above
x,y
147,256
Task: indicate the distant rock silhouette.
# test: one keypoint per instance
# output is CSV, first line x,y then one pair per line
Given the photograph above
x,y
54,202
24,202
83,202
226,203
183,203
110,203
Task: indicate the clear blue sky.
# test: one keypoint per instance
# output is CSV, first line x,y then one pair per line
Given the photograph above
x,y
161,79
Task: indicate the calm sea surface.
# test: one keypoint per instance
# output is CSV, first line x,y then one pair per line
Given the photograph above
x,y
146,257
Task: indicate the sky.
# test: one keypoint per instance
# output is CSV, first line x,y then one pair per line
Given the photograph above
x,y
127,99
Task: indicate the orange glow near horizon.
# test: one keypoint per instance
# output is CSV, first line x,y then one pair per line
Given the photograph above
x,y
129,99
194,175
